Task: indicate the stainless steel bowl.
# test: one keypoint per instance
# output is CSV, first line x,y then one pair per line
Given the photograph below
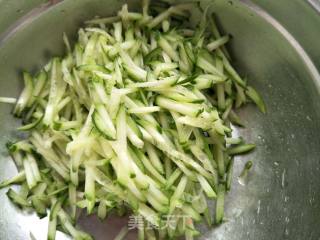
x,y
275,44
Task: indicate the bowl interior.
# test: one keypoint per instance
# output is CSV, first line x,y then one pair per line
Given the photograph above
x,y
279,200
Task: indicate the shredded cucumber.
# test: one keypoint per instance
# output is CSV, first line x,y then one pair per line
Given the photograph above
x,y
136,117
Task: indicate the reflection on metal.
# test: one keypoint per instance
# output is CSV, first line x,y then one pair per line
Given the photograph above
x,y
315,4
25,20
295,44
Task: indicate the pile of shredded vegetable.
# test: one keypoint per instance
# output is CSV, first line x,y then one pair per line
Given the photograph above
x,y
135,118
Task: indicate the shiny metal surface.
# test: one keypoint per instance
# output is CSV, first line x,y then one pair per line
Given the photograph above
x,y
280,55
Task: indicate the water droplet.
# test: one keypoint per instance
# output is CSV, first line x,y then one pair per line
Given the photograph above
x,y
258,209
276,163
308,118
283,178
286,199
286,231
293,136
287,219
242,181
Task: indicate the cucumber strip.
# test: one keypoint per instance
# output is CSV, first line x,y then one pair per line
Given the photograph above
x,y
167,48
63,126
178,156
40,189
158,194
173,177
256,98
103,180
180,97
218,43
218,155
149,166
202,157
117,31
17,199
53,220
152,55
189,109
102,210
220,204
161,17
134,138
143,110
137,160
8,100
102,121
149,214
20,177
164,68
34,167
66,223
57,191
25,96
57,88
244,173
72,200
165,26
217,35
39,206
30,126
206,187
206,81
141,227
108,20
178,193
116,98
205,62
189,211
58,167
167,82
135,71
228,107
241,149
162,209
240,96
229,174
145,7
197,122
31,180
199,201
184,132
234,141
90,190
153,156
235,76
135,191
168,167
122,234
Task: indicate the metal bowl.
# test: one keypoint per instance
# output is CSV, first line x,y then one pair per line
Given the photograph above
x,y
275,44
